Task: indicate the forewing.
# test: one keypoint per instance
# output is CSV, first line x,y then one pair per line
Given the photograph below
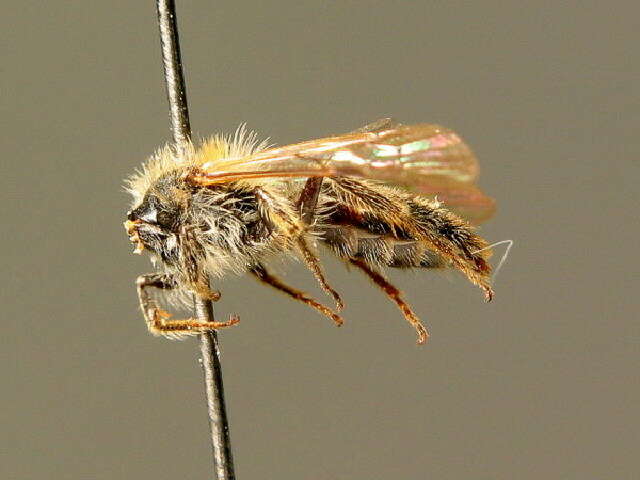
x,y
379,125
429,160
415,155
465,199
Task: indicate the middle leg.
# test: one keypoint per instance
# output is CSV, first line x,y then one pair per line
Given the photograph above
x,y
294,226
308,200
313,264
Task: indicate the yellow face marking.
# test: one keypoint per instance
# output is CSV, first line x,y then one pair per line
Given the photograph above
x,y
132,230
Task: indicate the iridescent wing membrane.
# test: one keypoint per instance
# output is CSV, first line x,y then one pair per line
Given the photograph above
x,y
429,159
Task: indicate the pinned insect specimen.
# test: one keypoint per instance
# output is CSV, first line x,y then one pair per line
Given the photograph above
x,y
385,195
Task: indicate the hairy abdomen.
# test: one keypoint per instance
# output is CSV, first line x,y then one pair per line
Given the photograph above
x,y
352,241
389,227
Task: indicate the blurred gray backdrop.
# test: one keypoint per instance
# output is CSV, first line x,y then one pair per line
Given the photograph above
x,y
541,383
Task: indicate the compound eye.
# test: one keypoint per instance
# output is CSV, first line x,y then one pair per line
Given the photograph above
x,y
153,212
146,212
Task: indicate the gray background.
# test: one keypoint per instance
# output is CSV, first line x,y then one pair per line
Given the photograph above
x,y
542,383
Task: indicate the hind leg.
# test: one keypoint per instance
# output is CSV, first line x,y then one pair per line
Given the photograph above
x,y
395,295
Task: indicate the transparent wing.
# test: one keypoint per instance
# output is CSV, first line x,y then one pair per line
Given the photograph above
x,y
430,159
412,154
464,199
386,123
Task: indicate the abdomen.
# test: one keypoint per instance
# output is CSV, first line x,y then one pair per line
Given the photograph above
x,y
389,227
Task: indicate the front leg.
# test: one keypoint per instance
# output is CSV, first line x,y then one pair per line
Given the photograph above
x,y
191,256
157,319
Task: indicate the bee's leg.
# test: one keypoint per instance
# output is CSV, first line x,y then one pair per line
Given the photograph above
x,y
156,318
289,222
264,276
313,264
308,200
189,259
202,289
394,294
306,205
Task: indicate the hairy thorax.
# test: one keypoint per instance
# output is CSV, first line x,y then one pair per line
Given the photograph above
x,y
220,228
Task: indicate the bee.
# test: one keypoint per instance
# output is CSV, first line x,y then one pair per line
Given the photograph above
x,y
385,195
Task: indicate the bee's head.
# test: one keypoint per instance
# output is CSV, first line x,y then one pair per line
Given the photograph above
x,y
154,223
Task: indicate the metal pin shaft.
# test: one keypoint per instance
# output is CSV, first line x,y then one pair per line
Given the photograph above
x,y
209,350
